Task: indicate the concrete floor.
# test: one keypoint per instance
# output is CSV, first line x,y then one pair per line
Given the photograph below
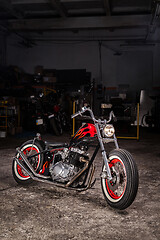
x,y
42,211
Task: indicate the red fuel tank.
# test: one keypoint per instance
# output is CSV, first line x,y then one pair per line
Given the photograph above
x,y
88,130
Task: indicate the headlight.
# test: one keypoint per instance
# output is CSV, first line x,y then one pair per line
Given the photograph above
x,y
108,130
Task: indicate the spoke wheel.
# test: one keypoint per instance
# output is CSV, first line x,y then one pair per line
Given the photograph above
x,y
121,191
117,186
29,149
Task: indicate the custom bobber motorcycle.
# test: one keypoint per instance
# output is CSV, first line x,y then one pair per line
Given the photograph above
x,y
70,165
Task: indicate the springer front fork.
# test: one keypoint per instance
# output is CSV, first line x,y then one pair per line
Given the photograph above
x,y
106,174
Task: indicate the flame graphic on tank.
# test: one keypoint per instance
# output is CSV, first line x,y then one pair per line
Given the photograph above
x,y
87,130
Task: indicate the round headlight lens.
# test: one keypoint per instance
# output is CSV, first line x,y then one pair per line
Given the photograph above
x,y
109,130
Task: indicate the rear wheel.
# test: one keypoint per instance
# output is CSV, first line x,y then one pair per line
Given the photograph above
x,y
121,191
29,149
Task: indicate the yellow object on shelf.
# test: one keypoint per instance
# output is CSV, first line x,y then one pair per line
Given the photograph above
x,y
48,90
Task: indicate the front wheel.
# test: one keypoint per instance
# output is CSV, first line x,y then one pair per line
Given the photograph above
x,y
29,149
121,191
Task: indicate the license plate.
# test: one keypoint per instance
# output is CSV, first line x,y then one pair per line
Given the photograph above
x,y
39,121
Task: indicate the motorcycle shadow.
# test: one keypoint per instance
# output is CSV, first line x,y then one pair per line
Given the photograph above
x,y
87,197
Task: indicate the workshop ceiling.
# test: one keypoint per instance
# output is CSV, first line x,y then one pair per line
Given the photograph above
x,y
42,16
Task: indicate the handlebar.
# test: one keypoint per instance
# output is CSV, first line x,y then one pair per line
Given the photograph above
x,y
76,114
84,109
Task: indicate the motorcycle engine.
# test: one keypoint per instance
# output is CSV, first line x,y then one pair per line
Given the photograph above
x,y
66,164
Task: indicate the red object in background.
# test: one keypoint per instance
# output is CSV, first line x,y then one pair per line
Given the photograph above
x,y
56,108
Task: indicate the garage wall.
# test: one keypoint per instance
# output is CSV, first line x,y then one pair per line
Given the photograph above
x,y
139,69
136,67
55,56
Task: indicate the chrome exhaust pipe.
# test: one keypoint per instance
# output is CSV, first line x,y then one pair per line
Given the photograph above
x,y
46,179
